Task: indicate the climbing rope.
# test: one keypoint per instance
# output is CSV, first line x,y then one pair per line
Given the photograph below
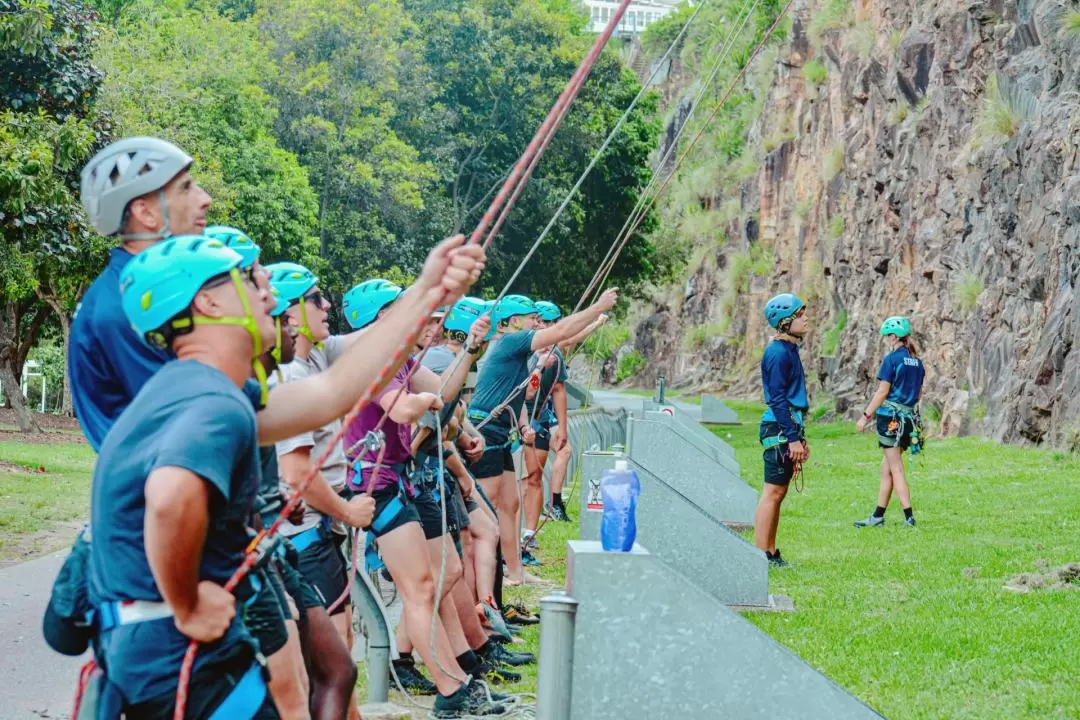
x,y
549,125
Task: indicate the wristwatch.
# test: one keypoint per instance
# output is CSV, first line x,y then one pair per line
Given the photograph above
x,y
473,350
866,416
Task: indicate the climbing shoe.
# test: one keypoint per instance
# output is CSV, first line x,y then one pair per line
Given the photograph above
x,y
776,561
909,522
558,513
527,558
872,521
466,702
410,678
496,654
518,615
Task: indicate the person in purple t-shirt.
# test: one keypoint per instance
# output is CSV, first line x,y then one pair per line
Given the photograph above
x,y
402,538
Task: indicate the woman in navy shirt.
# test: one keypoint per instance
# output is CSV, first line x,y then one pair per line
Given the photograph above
x,y
895,407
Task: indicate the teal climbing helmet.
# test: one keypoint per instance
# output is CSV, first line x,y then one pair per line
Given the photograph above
x,y
512,306
548,311
782,307
291,281
464,313
159,284
363,303
896,325
237,240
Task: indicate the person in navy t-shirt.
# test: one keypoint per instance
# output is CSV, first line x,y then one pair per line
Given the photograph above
x,y
782,431
894,408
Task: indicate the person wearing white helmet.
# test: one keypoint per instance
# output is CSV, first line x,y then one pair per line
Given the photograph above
x,y
139,190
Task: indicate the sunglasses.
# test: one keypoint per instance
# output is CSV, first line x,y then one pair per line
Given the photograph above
x,y
247,275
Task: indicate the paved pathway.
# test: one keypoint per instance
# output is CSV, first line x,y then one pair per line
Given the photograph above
x,y
35,681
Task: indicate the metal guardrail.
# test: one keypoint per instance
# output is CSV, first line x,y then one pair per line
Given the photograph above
x,y
591,429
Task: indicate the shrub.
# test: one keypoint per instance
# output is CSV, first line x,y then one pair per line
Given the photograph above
x,y
967,289
833,163
604,343
836,226
815,73
630,364
1070,24
830,342
833,14
899,113
1003,111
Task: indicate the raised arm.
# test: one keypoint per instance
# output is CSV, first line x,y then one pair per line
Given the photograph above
x,y
567,345
300,406
571,325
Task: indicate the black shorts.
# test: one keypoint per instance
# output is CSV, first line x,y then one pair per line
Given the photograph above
x,y
323,565
894,432
779,469
209,687
264,613
405,515
497,457
430,512
543,439
300,590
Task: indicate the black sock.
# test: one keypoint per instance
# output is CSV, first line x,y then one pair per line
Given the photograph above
x,y
908,514
483,649
468,661
498,579
405,660
879,512
556,499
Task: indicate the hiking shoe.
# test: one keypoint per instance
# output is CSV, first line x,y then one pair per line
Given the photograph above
x,y
465,702
528,559
480,688
548,512
497,675
872,521
518,615
410,678
909,522
496,654
776,561
529,542
558,513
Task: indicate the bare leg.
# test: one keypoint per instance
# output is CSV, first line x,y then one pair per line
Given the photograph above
x,y
288,678
330,667
767,517
484,530
402,550
895,458
343,624
534,486
508,503
885,492
559,468
448,612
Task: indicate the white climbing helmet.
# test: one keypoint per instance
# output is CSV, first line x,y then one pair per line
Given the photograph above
x,y
123,171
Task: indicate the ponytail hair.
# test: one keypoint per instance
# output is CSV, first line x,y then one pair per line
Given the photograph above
x,y
909,343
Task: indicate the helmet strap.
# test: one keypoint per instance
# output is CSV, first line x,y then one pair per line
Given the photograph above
x,y
248,323
162,234
305,329
275,352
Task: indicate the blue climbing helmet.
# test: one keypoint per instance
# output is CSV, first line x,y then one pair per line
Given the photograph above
x,y
237,240
782,307
548,311
290,282
463,314
158,286
363,303
512,306
896,325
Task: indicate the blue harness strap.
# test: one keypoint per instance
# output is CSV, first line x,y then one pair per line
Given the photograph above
x,y
302,541
245,699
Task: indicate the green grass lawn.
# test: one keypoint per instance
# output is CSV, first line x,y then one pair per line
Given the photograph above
x,y
37,509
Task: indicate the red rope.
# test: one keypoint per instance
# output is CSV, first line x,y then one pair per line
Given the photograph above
x,y
520,173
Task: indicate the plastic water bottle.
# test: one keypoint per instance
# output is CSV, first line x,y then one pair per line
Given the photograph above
x,y
619,488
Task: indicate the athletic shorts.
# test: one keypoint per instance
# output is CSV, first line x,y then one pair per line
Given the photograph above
x,y
430,512
497,457
323,565
300,590
894,432
543,439
470,504
405,515
779,469
264,613
209,687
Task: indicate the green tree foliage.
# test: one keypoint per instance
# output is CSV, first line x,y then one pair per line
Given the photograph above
x,y
184,72
48,129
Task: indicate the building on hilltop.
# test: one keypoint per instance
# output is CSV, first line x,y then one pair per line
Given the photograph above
x,y
637,17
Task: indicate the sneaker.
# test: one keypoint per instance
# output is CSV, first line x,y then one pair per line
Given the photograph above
x,y
518,615
497,675
872,521
558,513
776,561
527,558
528,542
548,512
410,678
909,522
466,702
496,654
479,687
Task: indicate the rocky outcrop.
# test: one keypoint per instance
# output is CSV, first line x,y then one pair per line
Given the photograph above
x,y
895,196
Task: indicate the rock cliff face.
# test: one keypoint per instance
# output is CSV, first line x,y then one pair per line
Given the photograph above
x,y
933,173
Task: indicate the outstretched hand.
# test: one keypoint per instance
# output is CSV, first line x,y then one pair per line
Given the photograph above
x,y
479,330
608,299
453,266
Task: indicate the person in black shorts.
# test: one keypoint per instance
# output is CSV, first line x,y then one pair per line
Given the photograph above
x,y
894,408
782,431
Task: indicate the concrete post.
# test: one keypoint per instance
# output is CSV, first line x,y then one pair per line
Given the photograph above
x,y
555,675
661,387
377,629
